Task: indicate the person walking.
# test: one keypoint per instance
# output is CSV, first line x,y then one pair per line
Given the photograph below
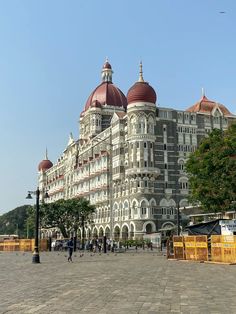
x,y
70,245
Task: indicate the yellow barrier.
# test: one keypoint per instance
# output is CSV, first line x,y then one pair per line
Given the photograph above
x,y
223,249
191,248
178,246
25,245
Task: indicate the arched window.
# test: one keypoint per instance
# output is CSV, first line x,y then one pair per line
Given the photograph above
x,y
126,208
183,183
181,164
142,124
144,206
134,207
150,125
132,125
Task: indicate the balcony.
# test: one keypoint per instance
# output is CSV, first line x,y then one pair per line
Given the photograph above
x,y
147,170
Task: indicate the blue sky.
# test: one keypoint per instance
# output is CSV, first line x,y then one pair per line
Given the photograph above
x,y
51,57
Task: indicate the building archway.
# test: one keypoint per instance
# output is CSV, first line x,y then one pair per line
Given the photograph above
x,y
95,232
101,232
131,234
125,232
117,233
107,232
149,227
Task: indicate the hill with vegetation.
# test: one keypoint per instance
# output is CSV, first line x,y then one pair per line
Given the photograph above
x,y
17,221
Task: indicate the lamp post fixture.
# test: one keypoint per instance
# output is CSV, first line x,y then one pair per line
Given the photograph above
x,y
178,220
83,231
35,257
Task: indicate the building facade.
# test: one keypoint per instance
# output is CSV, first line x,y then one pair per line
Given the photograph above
x,y
129,158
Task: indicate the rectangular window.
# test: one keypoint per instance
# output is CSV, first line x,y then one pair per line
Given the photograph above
x,y
145,163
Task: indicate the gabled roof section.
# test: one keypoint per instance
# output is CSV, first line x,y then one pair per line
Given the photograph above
x,y
208,107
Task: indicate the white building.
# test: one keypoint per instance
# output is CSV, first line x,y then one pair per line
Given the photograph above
x,y
129,157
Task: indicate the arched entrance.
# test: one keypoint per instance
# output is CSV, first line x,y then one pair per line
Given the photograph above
x,y
117,233
107,232
88,233
148,228
95,233
125,233
101,233
131,234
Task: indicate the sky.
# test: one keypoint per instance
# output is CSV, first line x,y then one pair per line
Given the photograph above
x,y
51,57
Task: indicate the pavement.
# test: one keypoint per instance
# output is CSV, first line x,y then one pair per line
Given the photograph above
x,y
122,283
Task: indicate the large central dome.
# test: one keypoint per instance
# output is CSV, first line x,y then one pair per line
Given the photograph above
x,y
106,93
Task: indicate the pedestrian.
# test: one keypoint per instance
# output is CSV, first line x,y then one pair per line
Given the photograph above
x,y
70,245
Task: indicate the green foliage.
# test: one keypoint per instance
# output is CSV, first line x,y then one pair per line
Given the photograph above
x,y
15,222
212,171
67,215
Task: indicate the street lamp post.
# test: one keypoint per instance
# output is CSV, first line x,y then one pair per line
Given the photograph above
x,y
35,257
83,231
178,220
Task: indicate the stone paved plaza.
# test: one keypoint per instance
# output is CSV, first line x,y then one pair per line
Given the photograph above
x,y
143,282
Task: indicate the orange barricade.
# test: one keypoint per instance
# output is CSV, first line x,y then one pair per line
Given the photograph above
x,y
191,248
178,245
43,245
201,248
25,245
223,248
189,242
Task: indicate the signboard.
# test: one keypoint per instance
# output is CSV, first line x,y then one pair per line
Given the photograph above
x,y
228,227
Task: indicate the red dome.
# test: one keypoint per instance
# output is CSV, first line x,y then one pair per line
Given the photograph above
x,y
45,165
141,91
107,93
95,104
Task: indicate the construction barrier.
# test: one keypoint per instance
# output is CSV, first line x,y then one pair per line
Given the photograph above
x,y
178,246
191,248
196,248
25,245
223,248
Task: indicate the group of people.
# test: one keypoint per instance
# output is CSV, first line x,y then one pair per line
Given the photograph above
x,y
93,245
97,245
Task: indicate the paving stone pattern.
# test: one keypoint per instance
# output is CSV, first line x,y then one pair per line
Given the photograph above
x,y
122,283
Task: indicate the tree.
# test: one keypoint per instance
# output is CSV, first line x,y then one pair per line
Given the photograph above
x,y
212,171
67,215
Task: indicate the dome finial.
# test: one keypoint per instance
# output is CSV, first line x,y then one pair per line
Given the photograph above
x,y
107,72
141,72
203,92
46,154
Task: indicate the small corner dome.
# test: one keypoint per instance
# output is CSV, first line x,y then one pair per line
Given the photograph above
x,y
141,91
44,165
106,65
